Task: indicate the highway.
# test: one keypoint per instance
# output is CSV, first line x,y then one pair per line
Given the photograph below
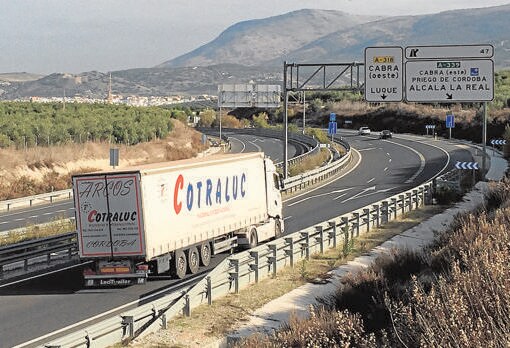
x,y
379,168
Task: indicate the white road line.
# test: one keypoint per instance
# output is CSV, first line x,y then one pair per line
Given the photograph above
x,y
389,160
258,147
339,196
45,206
286,218
329,182
385,169
387,153
368,149
369,181
322,194
244,146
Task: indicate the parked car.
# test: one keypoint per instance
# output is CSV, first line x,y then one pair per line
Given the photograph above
x,y
385,134
364,131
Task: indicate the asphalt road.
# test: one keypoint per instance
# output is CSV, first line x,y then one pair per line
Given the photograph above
x,y
380,168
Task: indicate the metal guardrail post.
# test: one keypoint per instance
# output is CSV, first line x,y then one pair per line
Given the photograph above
x,y
416,199
129,325
235,274
385,212
290,251
332,233
306,244
255,266
164,325
273,260
356,223
187,306
401,198
394,204
409,198
320,238
377,214
209,290
366,212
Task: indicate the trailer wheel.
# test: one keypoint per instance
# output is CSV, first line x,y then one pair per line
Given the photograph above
x,y
193,260
254,240
278,228
205,254
180,264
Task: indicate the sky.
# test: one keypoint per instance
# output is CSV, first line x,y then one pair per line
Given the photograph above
x,y
73,36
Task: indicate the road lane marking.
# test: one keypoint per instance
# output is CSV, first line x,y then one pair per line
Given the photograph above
x,y
286,218
369,181
242,143
329,182
385,169
368,149
253,143
320,195
43,206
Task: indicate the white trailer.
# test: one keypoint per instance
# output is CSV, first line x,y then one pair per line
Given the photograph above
x,y
173,216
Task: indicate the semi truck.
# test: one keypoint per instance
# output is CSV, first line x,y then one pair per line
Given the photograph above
x,y
173,217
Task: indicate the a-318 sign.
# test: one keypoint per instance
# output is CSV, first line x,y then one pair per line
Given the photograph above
x,y
384,74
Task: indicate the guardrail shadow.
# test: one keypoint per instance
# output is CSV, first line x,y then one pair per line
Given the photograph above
x,y
64,282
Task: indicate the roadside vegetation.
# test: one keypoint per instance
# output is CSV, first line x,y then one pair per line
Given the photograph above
x,y
208,323
455,294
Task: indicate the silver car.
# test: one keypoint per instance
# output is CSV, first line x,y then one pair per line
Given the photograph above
x,y
364,131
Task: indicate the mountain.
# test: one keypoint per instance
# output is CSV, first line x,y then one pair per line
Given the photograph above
x,y
255,50
256,41
473,26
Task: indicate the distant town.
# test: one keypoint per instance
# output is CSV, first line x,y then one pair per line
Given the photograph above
x,y
131,100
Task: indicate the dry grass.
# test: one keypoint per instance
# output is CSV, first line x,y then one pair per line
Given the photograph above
x,y
44,169
56,227
208,323
454,295
310,162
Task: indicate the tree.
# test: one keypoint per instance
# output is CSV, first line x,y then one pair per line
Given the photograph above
x,y
207,118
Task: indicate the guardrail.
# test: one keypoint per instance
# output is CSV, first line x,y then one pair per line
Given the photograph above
x,y
312,143
301,181
26,251
49,197
251,266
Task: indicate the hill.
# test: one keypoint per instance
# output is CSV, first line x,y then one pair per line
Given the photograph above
x,y
255,50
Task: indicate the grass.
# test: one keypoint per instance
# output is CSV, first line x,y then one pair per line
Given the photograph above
x,y
208,323
454,294
45,169
55,227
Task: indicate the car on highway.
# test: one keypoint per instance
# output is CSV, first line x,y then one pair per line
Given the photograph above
x,y
385,134
364,131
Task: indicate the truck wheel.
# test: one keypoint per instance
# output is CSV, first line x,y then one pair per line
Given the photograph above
x,y
278,228
180,264
193,260
254,240
205,254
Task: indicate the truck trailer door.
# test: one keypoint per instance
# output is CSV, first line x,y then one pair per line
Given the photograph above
x,y
109,215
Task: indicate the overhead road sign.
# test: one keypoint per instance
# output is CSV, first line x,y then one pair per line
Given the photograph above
x,y
498,142
449,80
466,165
449,51
384,74
249,95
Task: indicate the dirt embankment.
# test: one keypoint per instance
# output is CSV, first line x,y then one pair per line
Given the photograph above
x,y
43,169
